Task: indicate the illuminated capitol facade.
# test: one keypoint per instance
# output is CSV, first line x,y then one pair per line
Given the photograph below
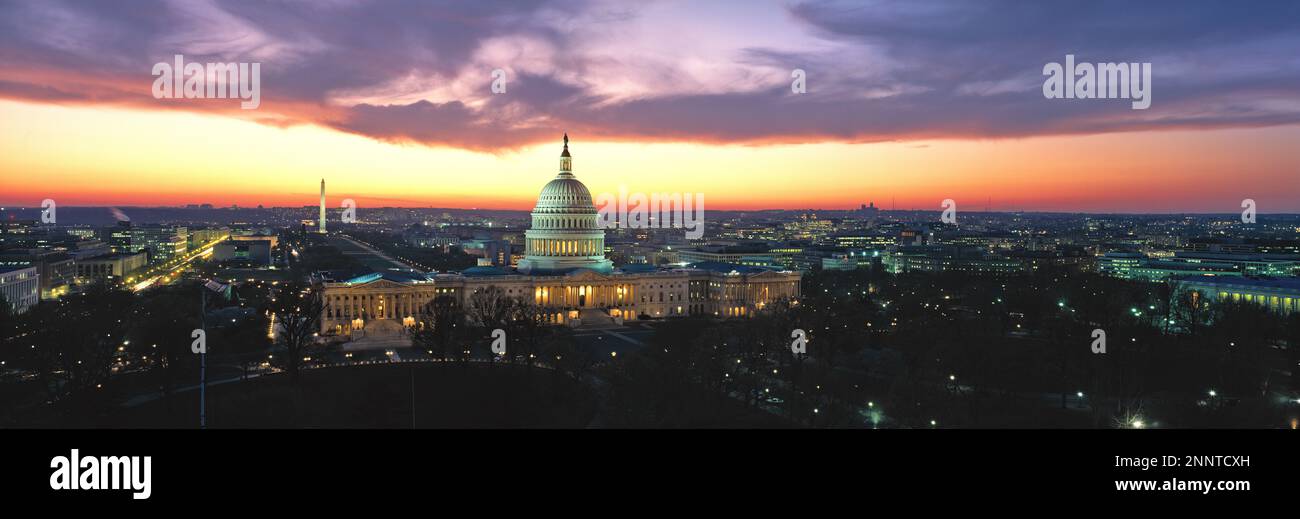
x,y
564,269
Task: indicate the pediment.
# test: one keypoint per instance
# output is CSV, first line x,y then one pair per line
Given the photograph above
x,y
378,284
769,274
587,275
384,283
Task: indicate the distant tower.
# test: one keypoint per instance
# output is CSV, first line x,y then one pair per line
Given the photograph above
x,y
320,224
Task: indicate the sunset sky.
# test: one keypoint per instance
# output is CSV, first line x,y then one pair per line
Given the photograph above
x,y
907,103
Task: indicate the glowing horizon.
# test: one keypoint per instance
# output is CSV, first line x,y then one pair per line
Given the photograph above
x,y
83,156
906,105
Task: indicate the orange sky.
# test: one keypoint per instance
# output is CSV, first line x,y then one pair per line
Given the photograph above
x,y
88,155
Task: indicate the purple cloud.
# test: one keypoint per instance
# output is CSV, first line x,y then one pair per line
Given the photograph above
x,y
888,70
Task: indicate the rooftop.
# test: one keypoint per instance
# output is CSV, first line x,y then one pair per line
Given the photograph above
x,y
725,268
1287,283
487,271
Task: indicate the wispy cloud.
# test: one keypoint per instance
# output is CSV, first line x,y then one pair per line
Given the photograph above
x,y
419,72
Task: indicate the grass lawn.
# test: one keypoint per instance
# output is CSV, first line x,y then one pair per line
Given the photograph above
x,y
446,396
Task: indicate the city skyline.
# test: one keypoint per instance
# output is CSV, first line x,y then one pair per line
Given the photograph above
x,y
1030,220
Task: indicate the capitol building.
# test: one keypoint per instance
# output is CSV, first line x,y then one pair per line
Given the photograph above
x,y
565,271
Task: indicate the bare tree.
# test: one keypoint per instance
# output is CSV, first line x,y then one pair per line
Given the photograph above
x,y
438,326
1191,311
529,328
161,337
298,308
73,344
489,309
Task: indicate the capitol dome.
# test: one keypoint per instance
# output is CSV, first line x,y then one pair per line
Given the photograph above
x,y
565,194
565,235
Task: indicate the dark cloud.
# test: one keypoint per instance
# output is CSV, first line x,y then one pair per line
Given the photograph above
x,y
950,68
448,124
501,124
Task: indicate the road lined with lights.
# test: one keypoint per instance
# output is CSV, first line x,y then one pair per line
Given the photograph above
x,y
165,273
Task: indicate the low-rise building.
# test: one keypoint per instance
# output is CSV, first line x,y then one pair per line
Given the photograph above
x,y
256,252
161,242
57,269
1133,265
1279,295
731,255
945,258
257,236
840,262
200,237
20,286
111,267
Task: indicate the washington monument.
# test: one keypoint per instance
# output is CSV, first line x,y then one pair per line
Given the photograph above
x,y
320,224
